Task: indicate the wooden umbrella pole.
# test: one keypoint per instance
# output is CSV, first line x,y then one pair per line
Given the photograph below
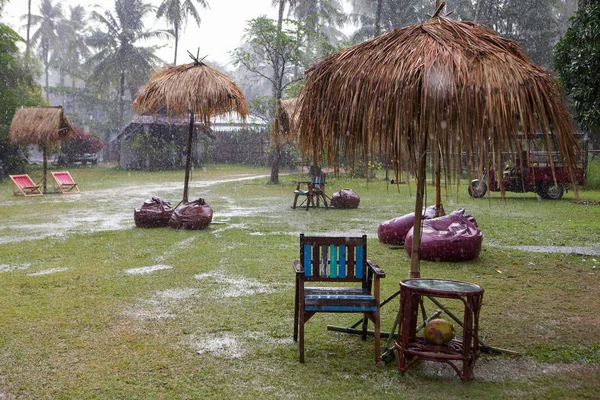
x,y
45,163
416,243
188,160
438,186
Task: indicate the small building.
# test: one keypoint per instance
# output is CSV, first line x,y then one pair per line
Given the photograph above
x,y
160,143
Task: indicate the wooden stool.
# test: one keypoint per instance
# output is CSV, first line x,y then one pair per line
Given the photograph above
x,y
411,348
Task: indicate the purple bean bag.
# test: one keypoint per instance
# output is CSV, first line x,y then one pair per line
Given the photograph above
x,y
454,237
154,213
345,198
394,230
193,215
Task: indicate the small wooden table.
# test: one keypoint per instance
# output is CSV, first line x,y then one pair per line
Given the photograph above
x,y
411,347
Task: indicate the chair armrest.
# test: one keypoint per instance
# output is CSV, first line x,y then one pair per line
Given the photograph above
x,y
301,183
298,267
378,272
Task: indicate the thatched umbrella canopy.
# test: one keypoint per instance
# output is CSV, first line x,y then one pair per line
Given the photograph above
x,y
43,126
442,87
194,89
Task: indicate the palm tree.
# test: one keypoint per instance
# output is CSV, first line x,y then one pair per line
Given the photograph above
x,y
322,16
176,13
75,49
120,59
28,26
47,35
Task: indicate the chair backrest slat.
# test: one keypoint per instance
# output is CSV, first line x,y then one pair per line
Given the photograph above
x,y
334,258
333,264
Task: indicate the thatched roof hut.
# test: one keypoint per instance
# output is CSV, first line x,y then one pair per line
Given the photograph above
x,y
44,126
39,125
444,87
196,90
197,87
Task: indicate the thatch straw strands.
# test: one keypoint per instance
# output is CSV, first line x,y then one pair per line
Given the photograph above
x,y
441,87
39,125
286,117
455,84
195,90
193,87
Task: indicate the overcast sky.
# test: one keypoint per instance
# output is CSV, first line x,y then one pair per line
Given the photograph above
x,y
220,31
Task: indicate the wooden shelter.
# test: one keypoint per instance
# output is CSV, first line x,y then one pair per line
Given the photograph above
x,y
43,126
441,87
194,90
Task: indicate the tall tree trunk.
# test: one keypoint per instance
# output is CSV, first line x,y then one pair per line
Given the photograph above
x,y
277,85
45,52
28,28
176,43
378,18
120,101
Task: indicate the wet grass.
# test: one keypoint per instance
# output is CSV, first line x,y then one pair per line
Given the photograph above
x,y
217,323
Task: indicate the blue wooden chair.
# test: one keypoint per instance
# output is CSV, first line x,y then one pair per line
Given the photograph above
x,y
315,190
332,261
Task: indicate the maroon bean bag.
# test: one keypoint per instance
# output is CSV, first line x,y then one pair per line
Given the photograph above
x,y
345,198
193,215
394,230
454,237
154,213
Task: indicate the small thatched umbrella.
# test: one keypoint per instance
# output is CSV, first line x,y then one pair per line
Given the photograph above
x,y
194,90
44,126
442,87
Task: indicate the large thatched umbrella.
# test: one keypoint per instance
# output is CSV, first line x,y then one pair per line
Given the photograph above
x,y
194,90
43,126
441,87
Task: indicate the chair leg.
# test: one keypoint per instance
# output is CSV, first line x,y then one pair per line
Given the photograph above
x,y
296,312
377,332
301,338
295,200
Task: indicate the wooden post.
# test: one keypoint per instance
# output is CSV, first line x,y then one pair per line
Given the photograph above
x,y
45,163
438,186
188,160
416,240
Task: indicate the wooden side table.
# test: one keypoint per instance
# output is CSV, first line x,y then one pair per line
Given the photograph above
x,y
410,348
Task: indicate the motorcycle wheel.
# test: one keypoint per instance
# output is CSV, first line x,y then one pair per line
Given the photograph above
x,y
477,189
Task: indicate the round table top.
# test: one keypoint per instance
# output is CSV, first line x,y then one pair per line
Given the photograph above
x,y
441,285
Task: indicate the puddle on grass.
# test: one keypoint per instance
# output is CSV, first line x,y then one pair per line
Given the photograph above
x,y
229,345
226,345
235,286
503,369
576,250
48,271
147,270
163,304
10,268
101,213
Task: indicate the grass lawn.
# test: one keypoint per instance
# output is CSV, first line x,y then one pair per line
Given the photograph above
x,y
93,307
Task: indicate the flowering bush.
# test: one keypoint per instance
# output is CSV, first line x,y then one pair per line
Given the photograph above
x,y
81,143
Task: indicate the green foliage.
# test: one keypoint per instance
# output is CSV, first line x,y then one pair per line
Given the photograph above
x,y
577,61
567,354
592,177
18,88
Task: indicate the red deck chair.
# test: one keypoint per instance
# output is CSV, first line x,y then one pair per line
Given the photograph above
x,y
22,185
64,183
